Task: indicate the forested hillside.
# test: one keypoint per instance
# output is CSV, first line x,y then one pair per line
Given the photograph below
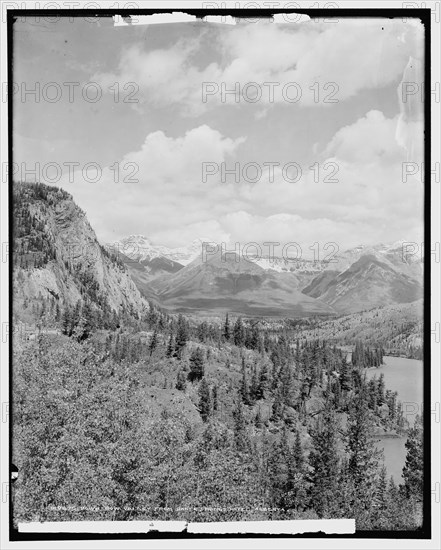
x,y
398,329
203,422
125,411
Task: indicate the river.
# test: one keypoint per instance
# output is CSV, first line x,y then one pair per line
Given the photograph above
x,y
404,376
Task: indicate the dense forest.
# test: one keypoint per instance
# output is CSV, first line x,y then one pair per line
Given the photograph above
x,y
172,419
397,329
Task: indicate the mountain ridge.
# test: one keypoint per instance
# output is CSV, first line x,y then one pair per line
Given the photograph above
x,y
237,285
367,283
140,247
337,283
59,261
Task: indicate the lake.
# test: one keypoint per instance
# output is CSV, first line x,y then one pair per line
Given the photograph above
x,y
406,377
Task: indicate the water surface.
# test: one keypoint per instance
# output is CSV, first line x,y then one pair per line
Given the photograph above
x,y
406,377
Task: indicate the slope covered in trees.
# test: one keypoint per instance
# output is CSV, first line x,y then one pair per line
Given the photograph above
x,y
398,329
173,419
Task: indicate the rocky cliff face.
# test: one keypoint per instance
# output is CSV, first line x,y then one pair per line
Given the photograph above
x,y
57,257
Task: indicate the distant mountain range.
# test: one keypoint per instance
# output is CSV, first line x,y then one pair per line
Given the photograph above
x,y
231,284
365,284
59,262
140,248
357,279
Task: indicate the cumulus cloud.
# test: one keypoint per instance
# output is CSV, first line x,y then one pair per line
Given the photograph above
x,y
370,140
158,187
365,200
327,62
353,193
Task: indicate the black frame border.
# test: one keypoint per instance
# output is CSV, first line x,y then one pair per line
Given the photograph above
x,y
424,14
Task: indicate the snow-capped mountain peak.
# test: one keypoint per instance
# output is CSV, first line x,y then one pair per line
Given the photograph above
x,y
399,254
140,248
136,247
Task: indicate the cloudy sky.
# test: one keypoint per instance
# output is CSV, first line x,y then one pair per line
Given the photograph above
x,y
308,147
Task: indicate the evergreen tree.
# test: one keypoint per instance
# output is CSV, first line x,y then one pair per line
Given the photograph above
x,y
298,451
240,428
84,325
254,342
414,467
258,422
66,322
279,470
239,332
381,501
372,393
277,406
76,314
254,386
363,457
181,336
337,394
203,331
391,401
345,377
381,390
215,400
153,342
287,481
227,329
196,365
244,389
181,382
324,460
287,384
264,382
170,347
205,404
57,310
152,316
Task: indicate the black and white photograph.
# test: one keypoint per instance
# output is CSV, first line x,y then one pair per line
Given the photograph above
x,y
219,288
